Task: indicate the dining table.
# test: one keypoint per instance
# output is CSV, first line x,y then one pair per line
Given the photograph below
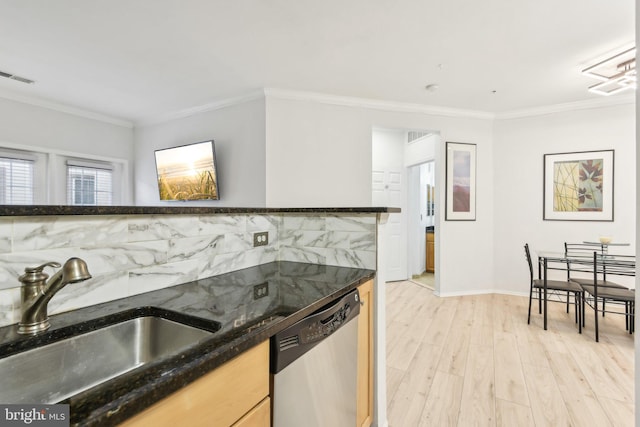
x,y
594,263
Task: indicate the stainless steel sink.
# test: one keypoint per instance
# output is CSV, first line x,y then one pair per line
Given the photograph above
x,y
53,372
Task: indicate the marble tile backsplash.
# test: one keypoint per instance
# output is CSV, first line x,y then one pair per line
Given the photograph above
x,y
129,255
333,240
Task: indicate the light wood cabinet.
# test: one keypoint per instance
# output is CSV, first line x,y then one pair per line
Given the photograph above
x,y
237,393
364,412
431,251
239,388
260,416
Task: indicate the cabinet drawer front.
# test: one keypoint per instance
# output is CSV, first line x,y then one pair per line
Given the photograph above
x,y
260,416
219,398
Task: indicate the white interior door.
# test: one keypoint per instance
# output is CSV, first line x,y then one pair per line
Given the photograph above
x,y
389,189
397,268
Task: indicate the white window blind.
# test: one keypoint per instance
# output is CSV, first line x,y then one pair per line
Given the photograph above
x,y
16,181
89,184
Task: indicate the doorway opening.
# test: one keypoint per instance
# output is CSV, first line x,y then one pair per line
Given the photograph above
x,y
421,209
404,166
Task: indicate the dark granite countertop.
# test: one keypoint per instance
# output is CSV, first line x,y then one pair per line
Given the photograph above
x,y
295,290
176,209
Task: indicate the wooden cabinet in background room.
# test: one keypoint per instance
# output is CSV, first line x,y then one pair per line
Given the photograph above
x,y
431,251
235,394
364,413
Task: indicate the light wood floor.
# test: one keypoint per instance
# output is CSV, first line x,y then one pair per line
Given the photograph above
x,y
474,361
426,279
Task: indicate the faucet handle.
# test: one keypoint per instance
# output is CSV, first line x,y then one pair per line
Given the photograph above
x,y
34,275
39,268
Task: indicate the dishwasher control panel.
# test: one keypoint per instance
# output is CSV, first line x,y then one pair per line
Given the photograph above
x,y
324,327
294,341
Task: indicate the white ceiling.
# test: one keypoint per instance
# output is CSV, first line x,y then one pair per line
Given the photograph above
x,y
140,59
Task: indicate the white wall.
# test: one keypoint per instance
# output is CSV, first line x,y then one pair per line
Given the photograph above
x,y
518,159
422,150
239,134
317,155
28,126
43,127
320,154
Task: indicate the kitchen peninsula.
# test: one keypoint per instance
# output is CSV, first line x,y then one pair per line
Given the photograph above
x,y
197,261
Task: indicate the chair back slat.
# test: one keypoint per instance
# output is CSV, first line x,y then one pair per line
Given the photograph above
x,y
584,250
528,255
618,265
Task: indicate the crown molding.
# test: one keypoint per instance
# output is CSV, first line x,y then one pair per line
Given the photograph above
x,y
212,106
345,101
67,109
568,106
374,104
602,102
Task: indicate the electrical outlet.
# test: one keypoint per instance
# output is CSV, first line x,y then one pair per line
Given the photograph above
x,y
261,239
260,291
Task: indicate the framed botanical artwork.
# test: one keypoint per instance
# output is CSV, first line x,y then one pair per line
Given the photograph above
x,y
578,186
460,200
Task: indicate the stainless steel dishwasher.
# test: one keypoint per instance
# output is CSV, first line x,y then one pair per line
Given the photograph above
x,y
314,368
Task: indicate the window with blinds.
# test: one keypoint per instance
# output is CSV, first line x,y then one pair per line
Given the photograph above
x,y
89,184
16,181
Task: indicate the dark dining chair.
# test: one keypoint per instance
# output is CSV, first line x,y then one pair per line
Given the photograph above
x,y
586,250
560,289
594,293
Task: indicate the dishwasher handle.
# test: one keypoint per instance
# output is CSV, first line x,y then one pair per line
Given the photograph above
x,y
294,341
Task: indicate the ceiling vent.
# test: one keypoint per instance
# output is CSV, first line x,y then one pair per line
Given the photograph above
x,y
14,77
414,135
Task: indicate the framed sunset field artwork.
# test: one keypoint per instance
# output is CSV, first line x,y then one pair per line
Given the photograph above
x,y
579,186
188,172
460,199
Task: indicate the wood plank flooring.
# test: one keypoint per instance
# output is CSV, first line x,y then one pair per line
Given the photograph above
x,y
474,361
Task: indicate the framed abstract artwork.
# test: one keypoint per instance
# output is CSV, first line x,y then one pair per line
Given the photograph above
x,y
578,186
460,200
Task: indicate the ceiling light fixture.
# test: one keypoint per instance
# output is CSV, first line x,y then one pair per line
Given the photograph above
x,y
616,74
